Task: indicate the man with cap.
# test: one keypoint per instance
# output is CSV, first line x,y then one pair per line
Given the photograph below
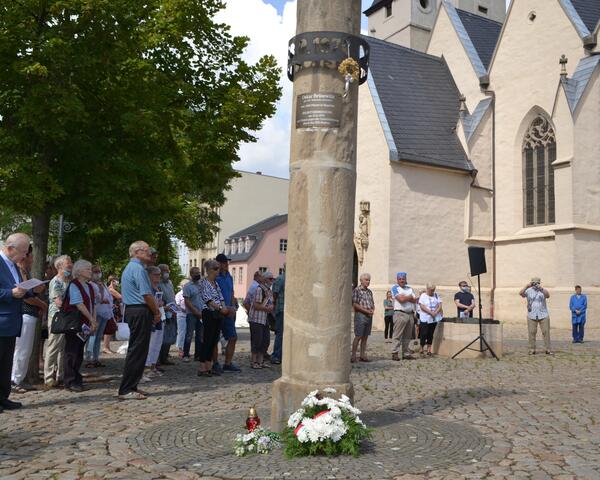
x,y
225,282
537,313
404,310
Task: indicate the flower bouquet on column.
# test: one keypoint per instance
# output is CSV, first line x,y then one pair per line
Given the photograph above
x,y
325,426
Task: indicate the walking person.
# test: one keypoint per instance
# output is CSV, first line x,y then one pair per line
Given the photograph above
x,y
193,308
213,311
79,296
53,363
14,251
141,312
388,317
404,311
578,307
431,313
104,313
364,307
537,313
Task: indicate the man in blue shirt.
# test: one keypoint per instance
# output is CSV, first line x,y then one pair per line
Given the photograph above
x,y
225,281
15,249
578,307
141,311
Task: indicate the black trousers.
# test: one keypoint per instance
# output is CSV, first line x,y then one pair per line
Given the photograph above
x,y
72,360
7,350
389,326
139,318
163,356
426,331
212,329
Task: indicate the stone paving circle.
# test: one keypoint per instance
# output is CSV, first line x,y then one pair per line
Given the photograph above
x,y
403,445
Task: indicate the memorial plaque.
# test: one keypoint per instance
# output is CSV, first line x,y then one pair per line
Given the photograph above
x,y
318,110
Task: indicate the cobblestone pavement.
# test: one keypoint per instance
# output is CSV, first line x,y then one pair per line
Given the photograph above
x,y
526,416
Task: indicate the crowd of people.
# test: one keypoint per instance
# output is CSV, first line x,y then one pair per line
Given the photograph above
x,y
143,307
409,316
203,311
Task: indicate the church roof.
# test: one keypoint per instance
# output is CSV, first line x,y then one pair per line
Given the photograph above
x,y
589,12
472,121
376,5
484,34
575,86
418,105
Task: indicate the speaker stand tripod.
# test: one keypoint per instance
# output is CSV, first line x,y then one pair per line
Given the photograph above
x,y
483,344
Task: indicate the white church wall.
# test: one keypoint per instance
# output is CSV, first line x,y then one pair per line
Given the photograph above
x,y
586,164
394,28
524,75
427,233
445,42
373,185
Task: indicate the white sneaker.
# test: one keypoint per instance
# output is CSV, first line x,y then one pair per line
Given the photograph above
x,y
145,379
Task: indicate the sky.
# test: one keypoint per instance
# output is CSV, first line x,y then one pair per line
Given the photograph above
x,y
269,24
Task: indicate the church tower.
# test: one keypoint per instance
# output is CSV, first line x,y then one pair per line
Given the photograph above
x,y
409,22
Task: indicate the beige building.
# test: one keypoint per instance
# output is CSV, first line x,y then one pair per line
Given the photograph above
x,y
252,198
487,140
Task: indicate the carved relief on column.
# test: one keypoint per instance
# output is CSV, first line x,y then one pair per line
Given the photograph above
x,y
361,238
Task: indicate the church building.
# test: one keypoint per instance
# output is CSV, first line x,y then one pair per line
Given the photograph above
x,y
481,127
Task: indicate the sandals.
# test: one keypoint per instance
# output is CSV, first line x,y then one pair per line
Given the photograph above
x,y
18,389
256,366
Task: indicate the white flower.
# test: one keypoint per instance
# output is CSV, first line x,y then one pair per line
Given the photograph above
x,y
295,418
329,390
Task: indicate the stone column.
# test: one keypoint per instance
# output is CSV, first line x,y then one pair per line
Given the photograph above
x,y
317,334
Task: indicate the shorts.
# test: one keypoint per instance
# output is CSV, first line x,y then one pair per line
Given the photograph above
x,y
228,328
362,324
259,337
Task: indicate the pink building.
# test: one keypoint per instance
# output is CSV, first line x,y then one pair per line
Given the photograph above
x,y
260,247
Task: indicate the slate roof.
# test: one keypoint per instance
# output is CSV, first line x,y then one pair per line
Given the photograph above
x,y
257,231
376,5
589,11
484,34
575,86
418,105
472,121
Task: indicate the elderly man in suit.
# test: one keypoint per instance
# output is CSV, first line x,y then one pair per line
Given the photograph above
x,y
14,251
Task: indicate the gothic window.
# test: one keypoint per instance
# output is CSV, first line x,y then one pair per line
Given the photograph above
x,y
539,152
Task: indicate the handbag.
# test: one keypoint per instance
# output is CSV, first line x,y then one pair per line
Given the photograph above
x,y
63,321
111,327
122,333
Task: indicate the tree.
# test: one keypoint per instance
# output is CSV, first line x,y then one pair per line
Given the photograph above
x,y
125,116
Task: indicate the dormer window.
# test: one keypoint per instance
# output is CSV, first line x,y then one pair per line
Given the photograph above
x,y
233,248
247,245
227,248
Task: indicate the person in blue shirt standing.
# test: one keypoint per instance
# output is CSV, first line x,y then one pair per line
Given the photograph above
x,y
141,312
578,307
225,282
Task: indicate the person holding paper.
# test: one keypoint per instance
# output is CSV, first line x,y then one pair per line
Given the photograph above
x,y
14,251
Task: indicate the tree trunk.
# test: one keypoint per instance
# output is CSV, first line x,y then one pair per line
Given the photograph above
x,y
41,230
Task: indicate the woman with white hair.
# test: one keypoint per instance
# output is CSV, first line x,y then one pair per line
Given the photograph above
x,y
80,297
430,313
181,317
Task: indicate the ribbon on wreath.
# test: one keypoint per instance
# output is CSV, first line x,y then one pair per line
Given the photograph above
x,y
301,425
